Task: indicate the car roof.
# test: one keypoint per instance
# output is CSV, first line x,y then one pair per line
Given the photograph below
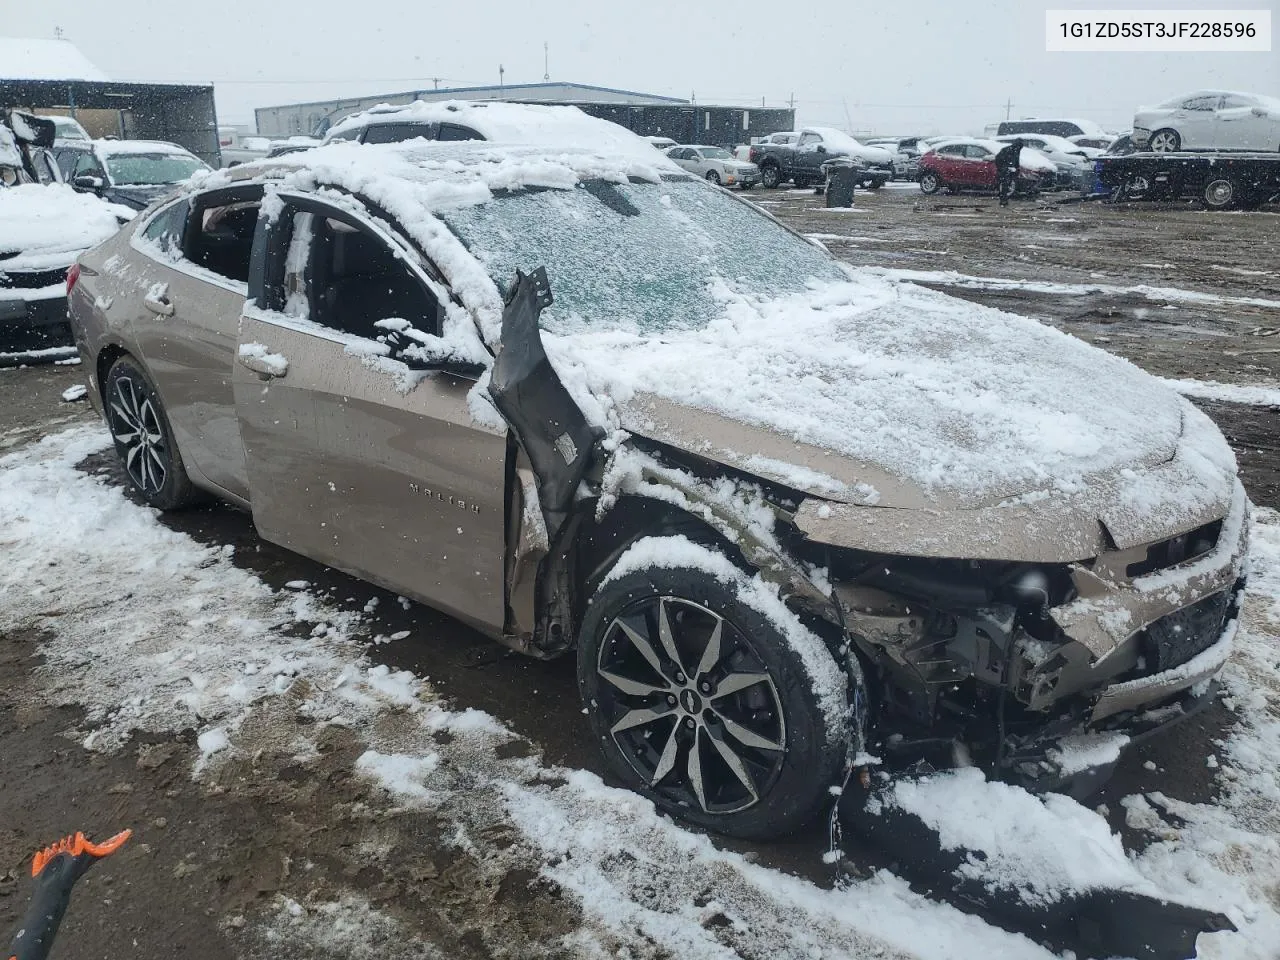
x,y
502,122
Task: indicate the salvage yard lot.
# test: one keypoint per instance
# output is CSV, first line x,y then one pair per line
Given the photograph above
x,y
345,808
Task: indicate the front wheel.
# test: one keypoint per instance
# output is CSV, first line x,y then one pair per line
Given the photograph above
x,y
770,176
1165,141
143,438
723,710
713,177
930,182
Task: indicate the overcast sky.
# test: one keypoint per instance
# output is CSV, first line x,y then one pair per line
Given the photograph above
x,y
924,66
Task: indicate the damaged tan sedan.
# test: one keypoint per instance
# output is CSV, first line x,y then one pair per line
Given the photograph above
x,y
793,519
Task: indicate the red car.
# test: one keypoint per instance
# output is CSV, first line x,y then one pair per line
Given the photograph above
x,y
970,165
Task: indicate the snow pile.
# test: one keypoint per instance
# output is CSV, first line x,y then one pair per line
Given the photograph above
x,y
1227,392
275,364
1040,847
23,58
48,225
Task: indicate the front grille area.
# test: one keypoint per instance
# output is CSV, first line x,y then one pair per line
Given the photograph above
x,y
33,280
1173,640
1176,550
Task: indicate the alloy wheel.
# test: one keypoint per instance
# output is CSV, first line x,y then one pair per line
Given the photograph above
x,y
135,425
691,705
1166,141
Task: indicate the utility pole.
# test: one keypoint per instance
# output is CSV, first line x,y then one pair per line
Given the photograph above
x,y
792,102
546,63
435,82
501,72
1008,108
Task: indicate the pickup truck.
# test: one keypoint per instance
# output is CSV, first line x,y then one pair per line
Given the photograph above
x,y
802,161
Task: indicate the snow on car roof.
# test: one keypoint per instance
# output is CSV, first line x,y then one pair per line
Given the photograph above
x,y
970,404
835,138
116,148
500,122
1266,100
37,219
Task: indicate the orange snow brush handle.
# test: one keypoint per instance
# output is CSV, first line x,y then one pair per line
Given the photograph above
x,y
56,869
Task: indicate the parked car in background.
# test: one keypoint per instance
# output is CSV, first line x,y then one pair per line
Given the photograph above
x,y
1073,163
68,130
1050,126
295,144
1095,143
802,161
128,172
42,231
662,143
1121,146
689,512
1209,120
717,165
906,155
461,120
245,149
968,163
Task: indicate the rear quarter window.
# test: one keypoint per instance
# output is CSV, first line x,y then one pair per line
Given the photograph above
x,y
166,228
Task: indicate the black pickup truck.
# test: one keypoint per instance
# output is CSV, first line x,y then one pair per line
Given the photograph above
x,y
802,161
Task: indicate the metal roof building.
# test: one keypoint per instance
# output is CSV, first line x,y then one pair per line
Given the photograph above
x,y
644,113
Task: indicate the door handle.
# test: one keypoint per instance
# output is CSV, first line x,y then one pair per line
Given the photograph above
x,y
160,304
265,365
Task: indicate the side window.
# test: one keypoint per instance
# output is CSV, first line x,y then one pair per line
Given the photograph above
x,y
87,166
452,131
1201,104
221,239
1232,103
954,150
396,132
166,227
975,152
809,139
347,278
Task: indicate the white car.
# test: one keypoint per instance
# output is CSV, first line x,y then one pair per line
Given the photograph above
x,y
662,143
1072,161
717,165
1209,120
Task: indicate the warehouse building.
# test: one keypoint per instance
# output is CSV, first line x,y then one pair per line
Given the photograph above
x,y
649,115
54,77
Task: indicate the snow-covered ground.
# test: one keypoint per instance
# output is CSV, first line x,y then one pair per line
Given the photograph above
x,y
198,643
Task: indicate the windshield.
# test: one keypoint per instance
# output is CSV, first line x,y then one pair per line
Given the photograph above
x,y
640,256
136,169
716,153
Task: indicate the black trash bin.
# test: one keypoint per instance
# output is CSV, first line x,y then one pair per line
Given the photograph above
x,y
842,178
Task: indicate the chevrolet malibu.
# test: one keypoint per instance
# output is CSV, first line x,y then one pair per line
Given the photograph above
x,y
790,518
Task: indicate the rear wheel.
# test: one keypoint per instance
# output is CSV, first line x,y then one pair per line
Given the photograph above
x,y
144,439
1221,193
930,182
770,176
1165,141
702,703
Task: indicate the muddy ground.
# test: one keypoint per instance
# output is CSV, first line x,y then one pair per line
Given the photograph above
x,y
207,853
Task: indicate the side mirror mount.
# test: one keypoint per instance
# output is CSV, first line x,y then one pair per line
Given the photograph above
x,y
425,351
820,148
91,184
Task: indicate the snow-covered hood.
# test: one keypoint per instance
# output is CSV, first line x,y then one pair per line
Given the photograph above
x,y
43,227
874,394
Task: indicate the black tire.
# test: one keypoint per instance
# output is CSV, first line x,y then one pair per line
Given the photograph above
x,y
930,182
713,177
790,785
746,186
873,184
151,459
801,183
770,176
1222,193
1165,141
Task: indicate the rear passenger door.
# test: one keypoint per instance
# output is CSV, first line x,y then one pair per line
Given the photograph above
x,y
353,460
398,132
189,297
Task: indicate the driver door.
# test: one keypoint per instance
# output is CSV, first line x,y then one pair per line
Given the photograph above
x,y
811,154
352,459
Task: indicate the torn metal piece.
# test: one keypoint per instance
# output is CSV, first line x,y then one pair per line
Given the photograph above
x,y
544,418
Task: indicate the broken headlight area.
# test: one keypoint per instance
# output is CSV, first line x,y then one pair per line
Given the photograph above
x,y
968,662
